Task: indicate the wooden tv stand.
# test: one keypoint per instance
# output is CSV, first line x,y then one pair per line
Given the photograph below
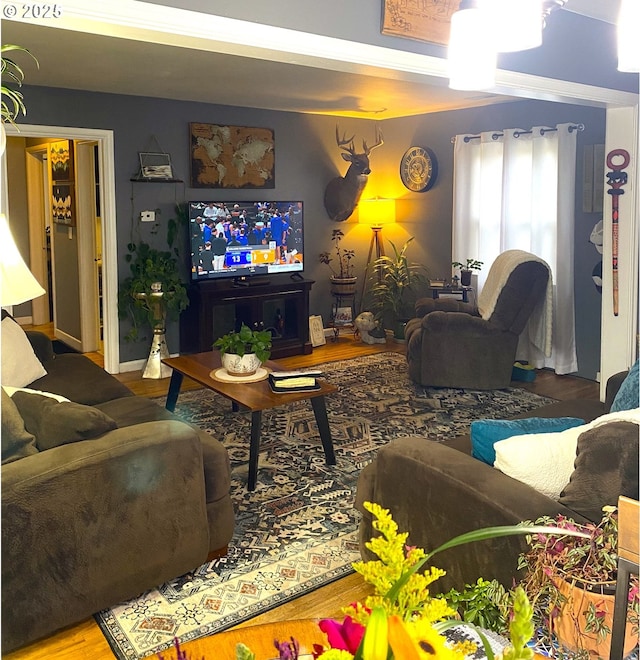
x,y
217,307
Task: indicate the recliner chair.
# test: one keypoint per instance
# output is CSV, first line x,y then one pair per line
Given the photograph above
x,y
450,344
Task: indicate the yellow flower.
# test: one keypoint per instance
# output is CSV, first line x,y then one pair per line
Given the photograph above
x,y
429,643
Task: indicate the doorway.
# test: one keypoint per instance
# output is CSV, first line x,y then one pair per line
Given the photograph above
x,y
97,247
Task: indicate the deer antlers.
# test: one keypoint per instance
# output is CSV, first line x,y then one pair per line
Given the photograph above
x,y
348,145
379,141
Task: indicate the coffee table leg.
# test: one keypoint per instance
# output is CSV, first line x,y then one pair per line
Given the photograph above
x,y
254,447
320,412
174,389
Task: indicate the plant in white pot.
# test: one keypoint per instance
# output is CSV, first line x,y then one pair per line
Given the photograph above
x,y
466,270
244,351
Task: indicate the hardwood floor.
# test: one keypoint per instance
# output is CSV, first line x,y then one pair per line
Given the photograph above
x,y
85,639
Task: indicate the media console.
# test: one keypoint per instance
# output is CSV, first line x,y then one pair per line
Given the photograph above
x,y
218,307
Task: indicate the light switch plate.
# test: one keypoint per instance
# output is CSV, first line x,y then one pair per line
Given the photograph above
x,y
147,216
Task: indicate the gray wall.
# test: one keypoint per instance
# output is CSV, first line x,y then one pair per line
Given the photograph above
x,y
306,159
590,58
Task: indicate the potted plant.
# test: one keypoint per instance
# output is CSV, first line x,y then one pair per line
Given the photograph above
x,y
466,270
571,583
394,286
244,351
343,281
152,272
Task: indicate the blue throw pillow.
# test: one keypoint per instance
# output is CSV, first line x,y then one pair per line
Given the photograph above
x,y
628,394
486,432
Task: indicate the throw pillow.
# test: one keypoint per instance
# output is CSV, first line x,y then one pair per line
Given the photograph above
x,y
17,442
12,390
628,395
20,366
486,432
57,423
606,467
545,461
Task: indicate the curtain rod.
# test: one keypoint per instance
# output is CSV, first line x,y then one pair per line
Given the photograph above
x,y
517,134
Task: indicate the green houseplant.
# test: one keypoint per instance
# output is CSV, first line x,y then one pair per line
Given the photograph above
x,y
466,269
343,280
12,76
394,286
152,271
243,351
571,580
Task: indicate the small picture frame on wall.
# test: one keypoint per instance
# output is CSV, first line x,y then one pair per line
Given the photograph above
x,y
62,204
316,331
155,166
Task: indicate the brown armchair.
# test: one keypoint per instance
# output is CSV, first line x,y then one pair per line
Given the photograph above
x,y
452,344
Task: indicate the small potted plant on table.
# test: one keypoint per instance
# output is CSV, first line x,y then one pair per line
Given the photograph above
x,y
244,351
466,270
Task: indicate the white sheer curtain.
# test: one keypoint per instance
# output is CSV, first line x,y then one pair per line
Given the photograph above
x,y
516,190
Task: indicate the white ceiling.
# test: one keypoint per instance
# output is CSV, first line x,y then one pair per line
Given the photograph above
x,y
124,50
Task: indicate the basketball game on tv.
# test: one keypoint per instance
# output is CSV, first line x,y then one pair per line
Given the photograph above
x,y
241,239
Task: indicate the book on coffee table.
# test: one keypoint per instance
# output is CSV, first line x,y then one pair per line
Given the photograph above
x,y
293,381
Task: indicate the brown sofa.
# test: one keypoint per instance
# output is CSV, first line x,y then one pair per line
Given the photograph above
x,y
90,523
436,491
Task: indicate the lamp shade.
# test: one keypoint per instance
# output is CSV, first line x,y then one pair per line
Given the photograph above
x,y
17,284
628,42
472,55
514,24
377,212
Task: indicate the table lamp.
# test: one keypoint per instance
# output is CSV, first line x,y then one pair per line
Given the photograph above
x,y
17,284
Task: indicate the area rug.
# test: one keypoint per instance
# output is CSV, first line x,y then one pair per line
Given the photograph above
x,y
298,530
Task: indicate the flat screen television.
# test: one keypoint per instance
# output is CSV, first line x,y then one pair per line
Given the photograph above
x,y
243,239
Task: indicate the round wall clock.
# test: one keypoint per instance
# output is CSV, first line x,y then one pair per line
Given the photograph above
x,y
418,169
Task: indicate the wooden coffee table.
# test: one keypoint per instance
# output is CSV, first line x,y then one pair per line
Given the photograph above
x,y
260,639
255,397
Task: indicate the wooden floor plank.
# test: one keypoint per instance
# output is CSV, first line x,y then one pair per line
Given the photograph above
x,y
85,640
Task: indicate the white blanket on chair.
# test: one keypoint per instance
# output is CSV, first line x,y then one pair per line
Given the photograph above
x,y
540,325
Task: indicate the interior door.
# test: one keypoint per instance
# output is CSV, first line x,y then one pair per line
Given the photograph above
x,y
39,214
89,257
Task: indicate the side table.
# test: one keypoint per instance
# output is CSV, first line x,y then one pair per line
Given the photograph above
x,y
462,291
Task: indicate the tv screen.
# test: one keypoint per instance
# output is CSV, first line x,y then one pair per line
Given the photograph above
x,y
239,239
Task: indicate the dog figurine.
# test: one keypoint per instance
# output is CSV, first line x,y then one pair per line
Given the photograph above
x,y
367,326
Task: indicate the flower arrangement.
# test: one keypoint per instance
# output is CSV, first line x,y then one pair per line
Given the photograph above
x,y
344,257
590,562
401,620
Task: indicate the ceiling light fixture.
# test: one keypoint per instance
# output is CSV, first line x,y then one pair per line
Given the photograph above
x,y
628,42
481,29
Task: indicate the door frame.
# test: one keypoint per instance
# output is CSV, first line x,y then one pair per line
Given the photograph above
x,y
106,165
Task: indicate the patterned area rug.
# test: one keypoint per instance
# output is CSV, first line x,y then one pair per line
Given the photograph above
x,y
298,530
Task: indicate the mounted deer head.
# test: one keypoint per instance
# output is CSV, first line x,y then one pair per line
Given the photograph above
x,y
342,194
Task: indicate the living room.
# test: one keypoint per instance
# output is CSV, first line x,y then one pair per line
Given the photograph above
x,y
307,157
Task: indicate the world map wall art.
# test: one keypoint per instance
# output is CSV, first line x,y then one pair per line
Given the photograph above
x,y
231,156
